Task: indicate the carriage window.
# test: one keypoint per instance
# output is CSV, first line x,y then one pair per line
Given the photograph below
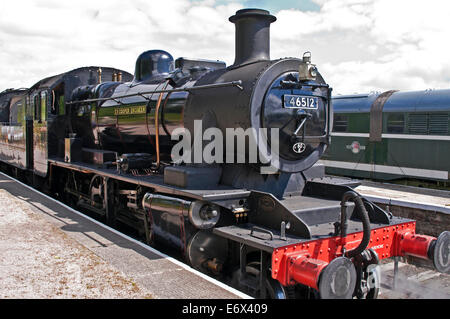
x,y
395,123
340,123
26,106
43,105
37,107
62,109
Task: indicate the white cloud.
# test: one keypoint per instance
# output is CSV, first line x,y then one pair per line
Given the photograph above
x,y
45,37
361,46
358,45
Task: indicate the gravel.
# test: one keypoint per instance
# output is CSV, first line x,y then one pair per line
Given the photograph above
x,y
38,260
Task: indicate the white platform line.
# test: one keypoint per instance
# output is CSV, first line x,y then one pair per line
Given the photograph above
x,y
407,203
397,136
151,249
397,170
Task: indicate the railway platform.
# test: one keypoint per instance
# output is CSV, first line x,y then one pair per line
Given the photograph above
x,y
424,198
429,207
49,250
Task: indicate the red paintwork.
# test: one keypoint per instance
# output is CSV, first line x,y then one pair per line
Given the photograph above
x,y
303,263
412,244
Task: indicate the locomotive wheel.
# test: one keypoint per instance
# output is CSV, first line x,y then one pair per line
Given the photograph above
x,y
368,278
374,282
274,290
372,278
96,190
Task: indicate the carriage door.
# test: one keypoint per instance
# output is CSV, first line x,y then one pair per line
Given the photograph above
x,y
40,134
29,134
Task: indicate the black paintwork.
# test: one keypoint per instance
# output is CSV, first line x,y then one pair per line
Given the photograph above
x,y
39,119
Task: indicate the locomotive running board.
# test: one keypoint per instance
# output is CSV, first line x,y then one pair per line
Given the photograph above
x,y
220,194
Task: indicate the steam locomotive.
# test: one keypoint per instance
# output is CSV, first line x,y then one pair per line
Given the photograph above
x,y
274,227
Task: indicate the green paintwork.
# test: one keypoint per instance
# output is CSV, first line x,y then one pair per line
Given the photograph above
x,y
408,152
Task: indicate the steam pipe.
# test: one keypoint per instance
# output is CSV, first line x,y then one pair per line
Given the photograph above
x,y
363,215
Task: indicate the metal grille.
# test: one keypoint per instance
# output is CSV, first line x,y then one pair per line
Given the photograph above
x,y
418,123
438,124
428,124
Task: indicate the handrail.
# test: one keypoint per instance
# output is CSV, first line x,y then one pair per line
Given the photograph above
x,y
237,84
157,124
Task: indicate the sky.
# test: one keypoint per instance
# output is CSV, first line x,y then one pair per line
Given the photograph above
x,y
359,46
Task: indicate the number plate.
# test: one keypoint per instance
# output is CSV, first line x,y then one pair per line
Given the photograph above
x,y
300,102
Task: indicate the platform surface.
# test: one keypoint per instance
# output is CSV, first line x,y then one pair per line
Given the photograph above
x,y
50,251
428,199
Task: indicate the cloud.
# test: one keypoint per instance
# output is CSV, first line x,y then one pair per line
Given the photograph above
x,y
361,46
45,37
358,45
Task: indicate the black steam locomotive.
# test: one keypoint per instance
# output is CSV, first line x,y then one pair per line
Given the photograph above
x,y
274,227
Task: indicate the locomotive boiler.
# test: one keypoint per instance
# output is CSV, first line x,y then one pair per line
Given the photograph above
x,y
273,227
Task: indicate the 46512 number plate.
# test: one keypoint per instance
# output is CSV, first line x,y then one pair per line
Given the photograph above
x,y
300,102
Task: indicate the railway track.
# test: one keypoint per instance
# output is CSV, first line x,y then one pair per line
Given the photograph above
x,y
413,282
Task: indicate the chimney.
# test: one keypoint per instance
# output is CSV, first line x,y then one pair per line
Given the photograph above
x,y
252,35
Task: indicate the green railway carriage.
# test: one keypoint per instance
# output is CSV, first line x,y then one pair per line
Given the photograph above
x,y
395,136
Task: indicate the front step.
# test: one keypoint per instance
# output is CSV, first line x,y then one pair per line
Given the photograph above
x,y
313,210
